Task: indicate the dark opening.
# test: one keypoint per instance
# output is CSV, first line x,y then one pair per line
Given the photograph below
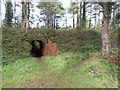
x,y
37,48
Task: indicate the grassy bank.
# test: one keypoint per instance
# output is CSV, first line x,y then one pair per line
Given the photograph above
x,y
96,73
22,70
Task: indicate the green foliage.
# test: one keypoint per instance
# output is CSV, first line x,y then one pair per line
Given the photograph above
x,y
51,8
95,73
73,8
16,43
8,14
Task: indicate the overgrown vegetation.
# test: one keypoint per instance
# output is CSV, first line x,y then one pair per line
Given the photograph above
x,y
79,63
16,43
54,71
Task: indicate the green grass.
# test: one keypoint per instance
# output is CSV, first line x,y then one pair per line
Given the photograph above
x,y
96,73
21,70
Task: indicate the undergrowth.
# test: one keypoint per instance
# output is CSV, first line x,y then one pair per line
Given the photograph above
x,y
74,46
16,42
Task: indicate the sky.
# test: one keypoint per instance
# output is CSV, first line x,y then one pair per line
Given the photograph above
x,y
66,4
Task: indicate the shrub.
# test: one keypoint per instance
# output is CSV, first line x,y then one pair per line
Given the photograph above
x,y
16,42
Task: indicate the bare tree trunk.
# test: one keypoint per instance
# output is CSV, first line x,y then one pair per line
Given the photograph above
x,y
54,20
96,23
84,14
47,21
79,14
27,16
51,20
99,16
0,13
66,22
105,28
90,14
114,21
111,19
73,21
23,14
15,13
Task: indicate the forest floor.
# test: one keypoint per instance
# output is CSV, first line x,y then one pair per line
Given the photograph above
x,y
77,65
47,72
52,78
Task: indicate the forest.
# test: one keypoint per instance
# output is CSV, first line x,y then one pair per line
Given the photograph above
x,y
59,44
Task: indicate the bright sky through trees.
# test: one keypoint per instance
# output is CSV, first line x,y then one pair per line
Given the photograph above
x,y
66,4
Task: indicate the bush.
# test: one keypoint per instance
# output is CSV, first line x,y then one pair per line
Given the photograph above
x,y
16,42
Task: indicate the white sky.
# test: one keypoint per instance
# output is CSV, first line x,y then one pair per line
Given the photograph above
x,y
66,4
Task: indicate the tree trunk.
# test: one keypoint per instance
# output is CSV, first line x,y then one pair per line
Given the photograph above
x,y
54,20
84,19
114,21
73,21
47,19
0,13
105,28
111,20
96,17
99,16
51,20
25,14
15,13
90,15
66,22
79,14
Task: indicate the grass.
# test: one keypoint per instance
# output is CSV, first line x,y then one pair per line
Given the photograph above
x,y
21,70
28,72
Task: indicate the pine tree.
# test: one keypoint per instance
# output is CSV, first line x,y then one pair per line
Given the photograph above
x,y
8,14
50,10
73,11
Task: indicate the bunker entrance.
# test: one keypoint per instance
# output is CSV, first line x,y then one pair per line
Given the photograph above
x,y
37,48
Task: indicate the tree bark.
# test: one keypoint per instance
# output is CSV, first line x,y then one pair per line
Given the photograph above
x,y
90,15
73,21
114,21
54,20
66,22
47,21
25,15
96,23
51,20
105,28
0,13
84,13
79,14
15,13
99,16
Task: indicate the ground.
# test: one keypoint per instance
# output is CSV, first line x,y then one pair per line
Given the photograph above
x,y
54,72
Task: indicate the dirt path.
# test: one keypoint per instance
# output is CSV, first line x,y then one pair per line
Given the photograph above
x,y
85,60
50,80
